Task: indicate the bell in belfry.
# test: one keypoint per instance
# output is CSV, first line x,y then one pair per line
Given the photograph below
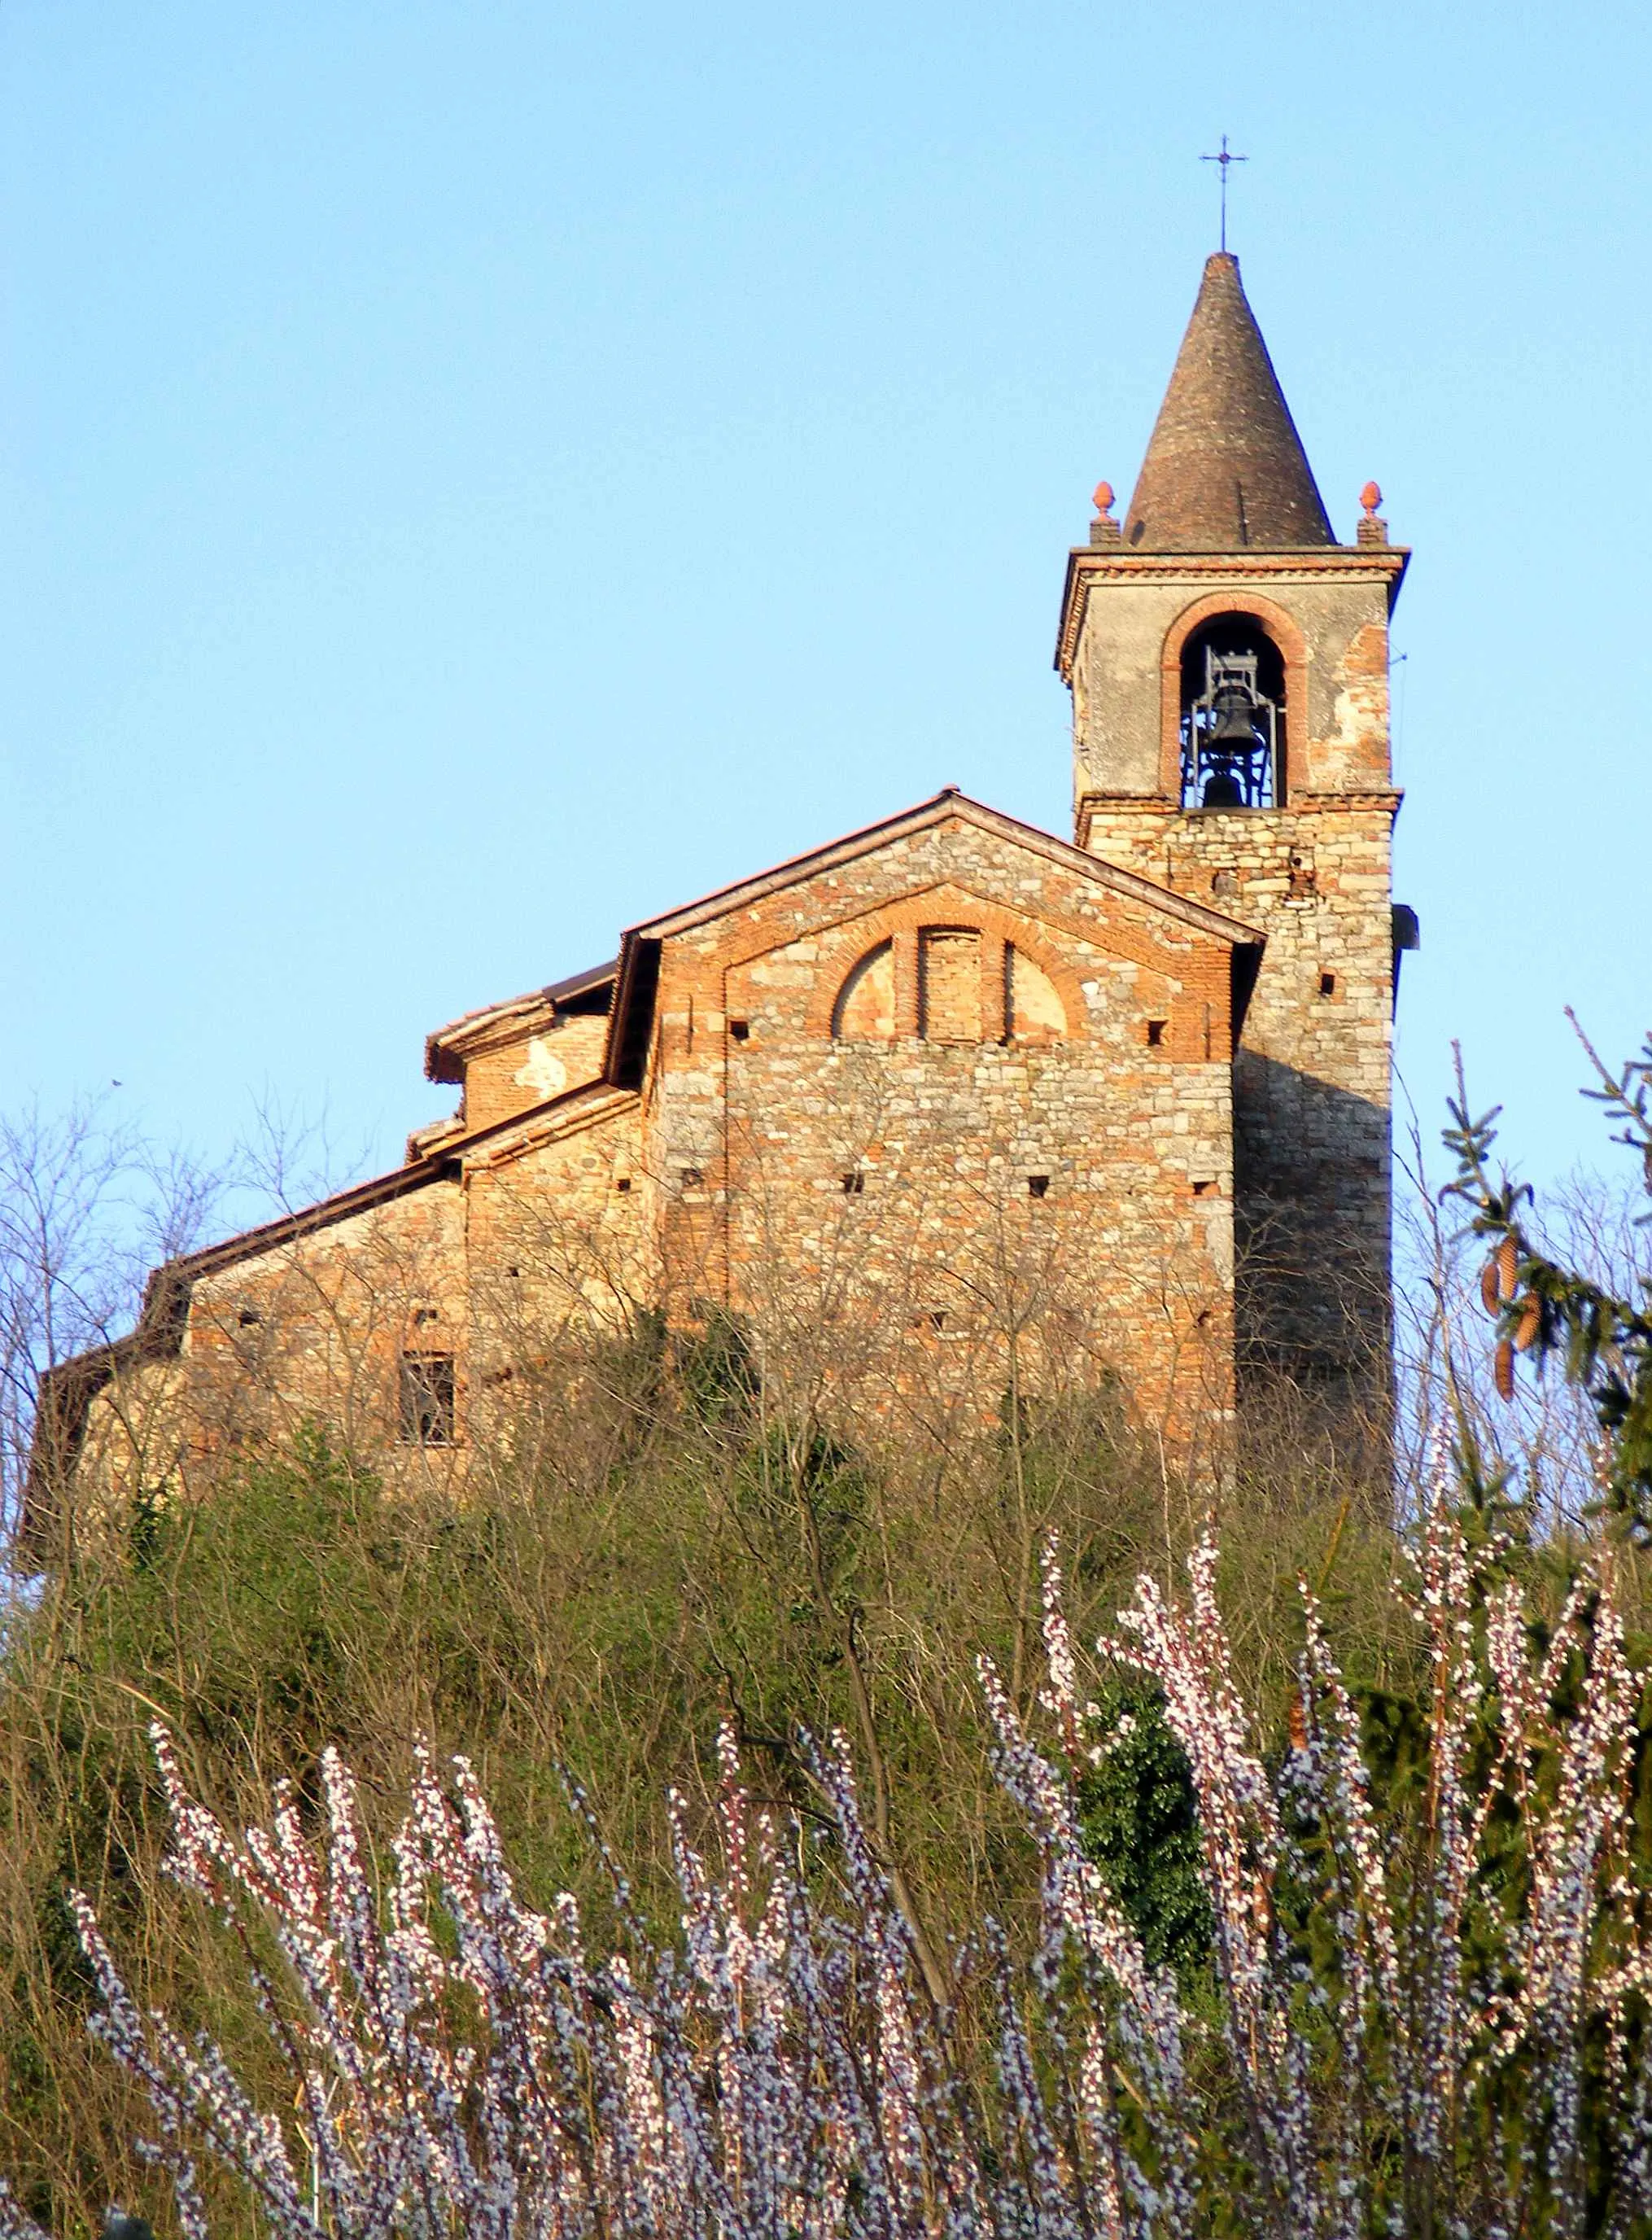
x,y
1230,732
1229,745
1234,729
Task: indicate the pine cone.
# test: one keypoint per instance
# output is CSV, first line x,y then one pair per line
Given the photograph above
x,y
1507,1266
1530,1322
1505,1369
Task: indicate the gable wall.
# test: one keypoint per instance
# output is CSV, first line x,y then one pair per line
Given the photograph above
x,y
920,1268
547,1059
1020,1022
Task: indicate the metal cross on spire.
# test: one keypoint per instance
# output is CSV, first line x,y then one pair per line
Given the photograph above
x,y
1224,159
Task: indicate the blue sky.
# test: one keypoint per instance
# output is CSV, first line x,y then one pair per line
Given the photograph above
x,y
475,474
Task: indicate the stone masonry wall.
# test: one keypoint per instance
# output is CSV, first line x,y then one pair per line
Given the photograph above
x,y
944,1120
1312,1075
560,1246
935,1213
1312,1087
317,1328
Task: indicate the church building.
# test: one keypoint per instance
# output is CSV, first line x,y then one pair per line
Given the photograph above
x,y
944,1109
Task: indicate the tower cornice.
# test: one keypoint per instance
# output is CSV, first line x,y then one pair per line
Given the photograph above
x,y
1088,564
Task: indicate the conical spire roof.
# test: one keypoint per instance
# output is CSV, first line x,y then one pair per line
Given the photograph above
x,y
1225,468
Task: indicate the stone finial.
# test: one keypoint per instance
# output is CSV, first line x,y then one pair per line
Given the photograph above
x,y
1372,528
1103,530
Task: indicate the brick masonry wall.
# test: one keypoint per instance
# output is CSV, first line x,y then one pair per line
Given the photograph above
x,y
524,1069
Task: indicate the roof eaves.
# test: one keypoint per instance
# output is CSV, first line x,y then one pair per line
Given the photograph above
x,y
1147,891
630,1013
446,1046
575,1108
796,867
581,983
68,1389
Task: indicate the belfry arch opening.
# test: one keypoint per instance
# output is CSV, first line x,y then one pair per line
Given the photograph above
x,y
1233,725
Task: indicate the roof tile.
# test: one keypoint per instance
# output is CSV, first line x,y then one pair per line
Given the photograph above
x,y
1225,468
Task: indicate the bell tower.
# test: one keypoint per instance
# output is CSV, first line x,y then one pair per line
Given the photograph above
x,y
1229,664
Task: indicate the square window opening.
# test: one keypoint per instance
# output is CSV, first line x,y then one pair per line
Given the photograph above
x,y
1156,1033
740,1029
1328,983
1038,1185
855,1185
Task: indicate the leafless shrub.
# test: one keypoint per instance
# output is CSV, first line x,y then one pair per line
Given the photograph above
x,y
1393,2042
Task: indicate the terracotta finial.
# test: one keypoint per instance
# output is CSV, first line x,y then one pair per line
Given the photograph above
x,y
1371,497
1103,529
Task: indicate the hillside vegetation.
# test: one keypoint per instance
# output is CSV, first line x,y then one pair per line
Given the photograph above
x,y
658,1554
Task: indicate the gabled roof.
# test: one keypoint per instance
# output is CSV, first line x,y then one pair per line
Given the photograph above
x,y
583,993
1225,468
68,1389
630,1021
625,990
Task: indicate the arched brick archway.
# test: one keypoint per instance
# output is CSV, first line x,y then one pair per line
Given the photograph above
x,y
1286,633
899,926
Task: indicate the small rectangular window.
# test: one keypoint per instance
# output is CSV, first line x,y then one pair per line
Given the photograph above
x,y
1156,1033
1328,983
740,1029
1204,1189
1037,1185
427,1399
854,1184
692,1177
621,1182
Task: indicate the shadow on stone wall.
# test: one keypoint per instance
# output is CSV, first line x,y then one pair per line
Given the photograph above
x,y
1313,1221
